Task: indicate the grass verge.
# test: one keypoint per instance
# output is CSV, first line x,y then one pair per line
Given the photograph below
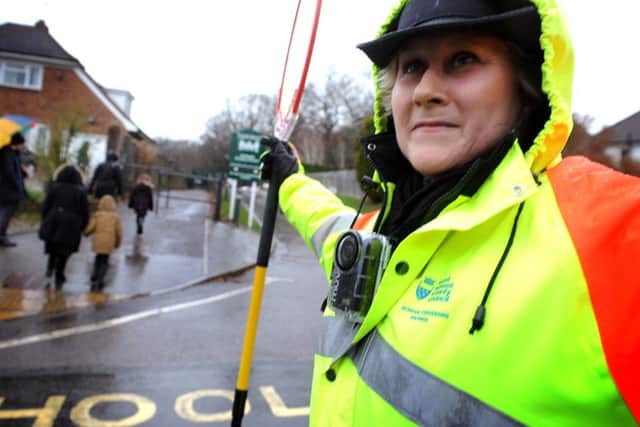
x,y
243,218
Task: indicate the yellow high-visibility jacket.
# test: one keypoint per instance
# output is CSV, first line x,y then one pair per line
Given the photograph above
x,y
560,345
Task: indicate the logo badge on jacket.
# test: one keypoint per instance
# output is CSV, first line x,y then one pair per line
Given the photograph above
x,y
430,291
424,289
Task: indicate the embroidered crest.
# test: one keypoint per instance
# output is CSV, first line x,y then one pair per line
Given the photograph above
x,y
424,289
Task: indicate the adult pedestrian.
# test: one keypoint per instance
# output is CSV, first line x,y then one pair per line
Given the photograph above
x,y
141,200
107,178
12,190
501,278
65,215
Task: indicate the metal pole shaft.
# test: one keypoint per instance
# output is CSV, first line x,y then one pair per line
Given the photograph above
x,y
216,215
157,192
264,249
166,201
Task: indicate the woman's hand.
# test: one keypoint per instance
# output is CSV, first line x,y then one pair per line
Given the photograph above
x,y
280,160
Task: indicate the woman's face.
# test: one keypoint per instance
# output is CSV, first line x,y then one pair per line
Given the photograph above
x,y
455,95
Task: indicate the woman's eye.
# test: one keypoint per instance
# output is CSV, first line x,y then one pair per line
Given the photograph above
x,y
412,67
463,58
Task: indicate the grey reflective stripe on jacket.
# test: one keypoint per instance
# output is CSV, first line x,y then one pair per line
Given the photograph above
x,y
416,394
339,222
339,333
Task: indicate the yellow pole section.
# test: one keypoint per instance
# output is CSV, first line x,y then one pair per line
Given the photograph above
x,y
252,326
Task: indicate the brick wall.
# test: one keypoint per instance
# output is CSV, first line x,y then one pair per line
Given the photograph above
x,y
62,90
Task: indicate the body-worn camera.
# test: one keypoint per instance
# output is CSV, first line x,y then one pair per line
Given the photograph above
x,y
359,262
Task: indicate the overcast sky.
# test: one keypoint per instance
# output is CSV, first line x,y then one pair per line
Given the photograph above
x,y
182,60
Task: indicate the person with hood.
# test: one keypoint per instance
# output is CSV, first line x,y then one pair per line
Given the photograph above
x,y
107,178
65,214
12,190
501,279
141,200
106,227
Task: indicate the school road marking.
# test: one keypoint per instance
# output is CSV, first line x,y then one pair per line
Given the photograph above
x,y
118,321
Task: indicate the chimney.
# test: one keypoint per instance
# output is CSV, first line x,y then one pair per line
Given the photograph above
x,y
41,25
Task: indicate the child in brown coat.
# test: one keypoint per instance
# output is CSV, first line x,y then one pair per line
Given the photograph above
x,y
106,227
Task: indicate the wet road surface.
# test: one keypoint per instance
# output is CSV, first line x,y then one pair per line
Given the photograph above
x,y
170,359
179,245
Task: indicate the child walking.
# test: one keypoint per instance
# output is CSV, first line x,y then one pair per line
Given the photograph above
x,y
106,227
65,214
141,199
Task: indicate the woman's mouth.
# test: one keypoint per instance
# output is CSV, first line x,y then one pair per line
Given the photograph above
x,y
433,125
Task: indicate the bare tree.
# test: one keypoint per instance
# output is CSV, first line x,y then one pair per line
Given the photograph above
x,y
329,121
253,111
68,121
182,155
334,115
306,136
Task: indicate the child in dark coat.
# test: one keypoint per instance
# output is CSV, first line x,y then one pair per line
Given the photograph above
x,y
64,216
141,199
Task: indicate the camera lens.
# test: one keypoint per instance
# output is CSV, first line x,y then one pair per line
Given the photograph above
x,y
347,251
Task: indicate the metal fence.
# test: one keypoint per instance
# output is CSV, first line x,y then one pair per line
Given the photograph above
x,y
167,181
340,182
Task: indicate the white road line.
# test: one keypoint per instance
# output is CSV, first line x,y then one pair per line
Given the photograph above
x,y
61,333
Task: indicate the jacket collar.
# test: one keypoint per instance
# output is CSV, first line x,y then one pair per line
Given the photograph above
x,y
509,184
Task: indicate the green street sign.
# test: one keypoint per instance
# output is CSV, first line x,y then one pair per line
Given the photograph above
x,y
244,156
243,174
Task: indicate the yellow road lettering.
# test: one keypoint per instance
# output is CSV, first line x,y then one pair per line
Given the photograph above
x,y
145,409
44,416
184,406
81,413
278,407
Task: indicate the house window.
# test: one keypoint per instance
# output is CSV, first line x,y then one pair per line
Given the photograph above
x,y
21,75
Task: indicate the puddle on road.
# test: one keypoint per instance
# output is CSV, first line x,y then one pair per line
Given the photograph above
x,y
16,303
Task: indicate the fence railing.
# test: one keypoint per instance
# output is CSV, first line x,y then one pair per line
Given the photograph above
x,y
166,181
341,182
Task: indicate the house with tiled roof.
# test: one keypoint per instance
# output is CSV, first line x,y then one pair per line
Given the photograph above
x,y
41,80
623,144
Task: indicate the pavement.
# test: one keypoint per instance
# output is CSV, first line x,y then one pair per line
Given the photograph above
x,y
180,248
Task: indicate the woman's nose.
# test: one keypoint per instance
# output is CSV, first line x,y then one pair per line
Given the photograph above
x,y
431,89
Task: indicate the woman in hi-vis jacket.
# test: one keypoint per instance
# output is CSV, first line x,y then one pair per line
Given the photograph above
x,y
497,285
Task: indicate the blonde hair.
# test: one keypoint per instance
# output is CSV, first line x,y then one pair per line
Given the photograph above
x,y
386,81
